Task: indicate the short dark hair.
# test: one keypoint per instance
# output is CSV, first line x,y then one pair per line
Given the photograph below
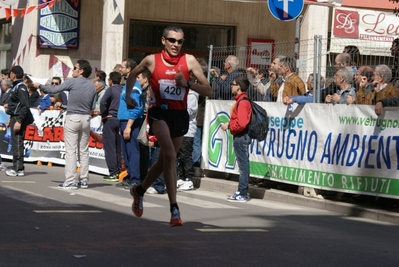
x,y
56,78
130,63
5,72
146,74
86,67
367,71
243,82
115,77
174,28
396,41
101,74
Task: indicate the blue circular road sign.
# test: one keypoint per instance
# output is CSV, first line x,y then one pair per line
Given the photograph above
x,y
285,9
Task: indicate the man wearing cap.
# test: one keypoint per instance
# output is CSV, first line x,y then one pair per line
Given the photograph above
x,y
20,117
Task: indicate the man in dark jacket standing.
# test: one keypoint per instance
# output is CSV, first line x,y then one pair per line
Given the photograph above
x,y
109,110
20,117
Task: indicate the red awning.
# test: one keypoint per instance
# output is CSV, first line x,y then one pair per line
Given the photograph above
x,y
365,4
368,4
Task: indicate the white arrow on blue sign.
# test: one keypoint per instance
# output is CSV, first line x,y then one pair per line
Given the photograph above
x,y
285,9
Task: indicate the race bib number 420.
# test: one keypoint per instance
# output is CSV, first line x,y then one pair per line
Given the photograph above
x,y
169,90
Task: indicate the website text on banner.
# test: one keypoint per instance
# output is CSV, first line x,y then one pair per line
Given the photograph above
x,y
333,147
44,140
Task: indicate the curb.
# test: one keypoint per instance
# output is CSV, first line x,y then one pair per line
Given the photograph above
x,y
346,209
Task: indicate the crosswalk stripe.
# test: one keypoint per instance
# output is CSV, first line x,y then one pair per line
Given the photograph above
x,y
106,197
198,202
254,202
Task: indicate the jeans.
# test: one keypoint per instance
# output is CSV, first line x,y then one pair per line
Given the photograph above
x,y
76,137
159,183
18,149
185,166
197,146
240,144
131,152
112,145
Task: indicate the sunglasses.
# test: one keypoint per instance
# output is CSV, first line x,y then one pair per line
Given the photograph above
x,y
55,84
173,40
75,68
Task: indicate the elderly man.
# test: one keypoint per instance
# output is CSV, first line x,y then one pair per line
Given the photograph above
x,y
6,85
222,83
292,85
343,78
382,86
100,91
364,78
341,60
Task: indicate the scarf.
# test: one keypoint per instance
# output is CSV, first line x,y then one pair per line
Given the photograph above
x,y
169,59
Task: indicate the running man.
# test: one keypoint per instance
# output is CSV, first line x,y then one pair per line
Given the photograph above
x,y
168,118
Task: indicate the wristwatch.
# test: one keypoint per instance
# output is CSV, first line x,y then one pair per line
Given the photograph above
x,y
189,84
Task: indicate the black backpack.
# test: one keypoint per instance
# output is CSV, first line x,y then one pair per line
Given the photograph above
x,y
259,123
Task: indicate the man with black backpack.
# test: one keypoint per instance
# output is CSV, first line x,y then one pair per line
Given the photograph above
x,y
239,120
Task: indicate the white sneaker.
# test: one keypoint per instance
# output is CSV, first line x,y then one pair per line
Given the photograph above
x,y
180,182
186,186
151,190
12,172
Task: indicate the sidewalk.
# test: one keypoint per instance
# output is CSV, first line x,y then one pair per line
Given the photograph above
x,y
220,184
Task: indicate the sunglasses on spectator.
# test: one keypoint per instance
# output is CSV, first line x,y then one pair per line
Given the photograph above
x,y
173,40
53,83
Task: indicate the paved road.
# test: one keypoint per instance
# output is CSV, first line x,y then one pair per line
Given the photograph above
x,y
42,225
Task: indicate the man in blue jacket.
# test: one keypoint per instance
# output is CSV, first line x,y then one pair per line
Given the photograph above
x,y
130,118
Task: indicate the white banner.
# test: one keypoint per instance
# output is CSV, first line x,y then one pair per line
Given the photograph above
x,y
333,147
44,140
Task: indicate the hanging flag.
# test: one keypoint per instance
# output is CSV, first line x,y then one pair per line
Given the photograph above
x,y
15,12
51,4
30,9
8,13
22,12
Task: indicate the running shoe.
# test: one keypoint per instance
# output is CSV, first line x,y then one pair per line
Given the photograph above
x,y
137,205
175,218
